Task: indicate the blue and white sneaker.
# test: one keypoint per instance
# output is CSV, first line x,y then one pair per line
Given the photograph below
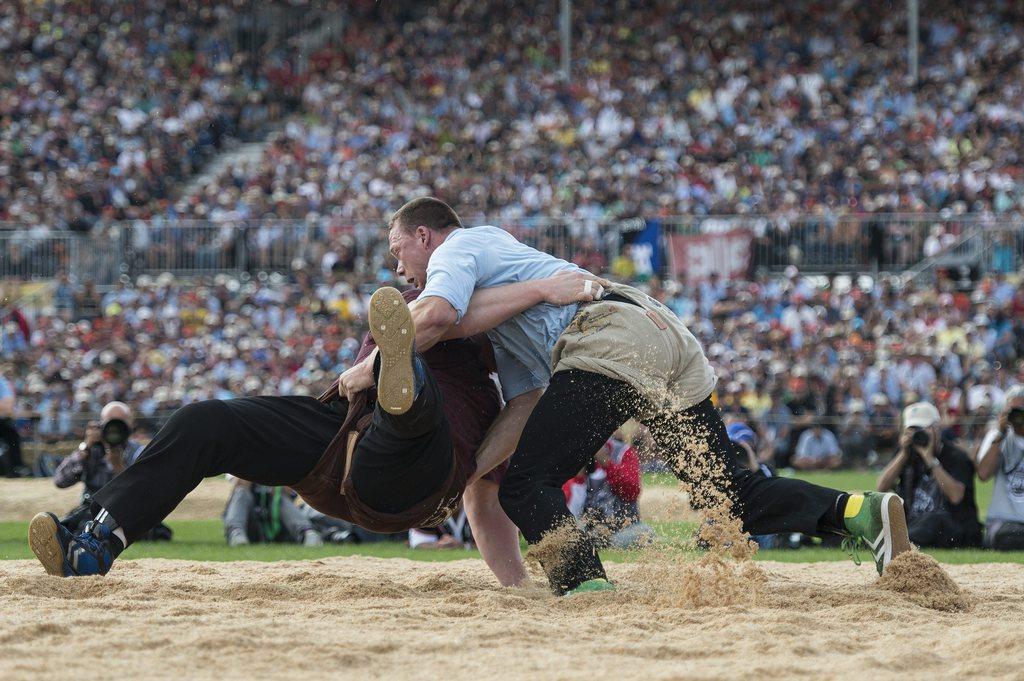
x,y
64,554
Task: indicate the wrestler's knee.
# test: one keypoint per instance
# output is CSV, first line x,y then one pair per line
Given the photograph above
x,y
513,493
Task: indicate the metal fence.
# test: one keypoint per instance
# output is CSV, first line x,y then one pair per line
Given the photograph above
x,y
874,243
26,256
848,243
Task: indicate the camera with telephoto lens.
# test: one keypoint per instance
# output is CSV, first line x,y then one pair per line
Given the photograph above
x,y
115,432
1016,417
921,438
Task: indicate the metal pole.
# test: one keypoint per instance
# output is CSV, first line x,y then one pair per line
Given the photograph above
x,y
912,48
565,29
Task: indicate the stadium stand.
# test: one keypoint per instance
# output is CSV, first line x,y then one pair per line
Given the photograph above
x,y
792,121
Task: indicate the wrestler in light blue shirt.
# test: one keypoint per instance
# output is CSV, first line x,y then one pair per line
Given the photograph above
x,y
482,257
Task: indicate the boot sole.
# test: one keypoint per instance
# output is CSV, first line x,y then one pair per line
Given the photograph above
x,y
393,330
42,538
894,523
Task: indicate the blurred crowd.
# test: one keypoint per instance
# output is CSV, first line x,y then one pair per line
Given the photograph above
x,y
848,356
673,109
791,353
161,343
106,107
796,112
797,116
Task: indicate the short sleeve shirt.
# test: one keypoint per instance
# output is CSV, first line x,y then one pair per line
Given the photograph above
x,y
924,495
484,257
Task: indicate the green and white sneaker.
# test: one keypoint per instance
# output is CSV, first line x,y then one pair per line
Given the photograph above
x,y
591,585
876,520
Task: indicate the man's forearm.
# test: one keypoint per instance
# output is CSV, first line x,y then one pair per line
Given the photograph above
x,y
887,480
68,472
988,456
433,317
503,436
951,488
489,307
495,535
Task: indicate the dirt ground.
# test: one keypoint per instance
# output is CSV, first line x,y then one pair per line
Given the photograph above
x,y
665,504
22,499
397,619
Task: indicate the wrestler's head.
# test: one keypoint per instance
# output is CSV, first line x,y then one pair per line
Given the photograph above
x,y
415,231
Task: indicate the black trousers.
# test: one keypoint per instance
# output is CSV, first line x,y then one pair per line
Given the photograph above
x,y
11,463
580,411
1008,536
277,441
940,530
404,458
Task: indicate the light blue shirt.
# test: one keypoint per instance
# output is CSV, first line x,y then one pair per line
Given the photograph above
x,y
483,257
6,389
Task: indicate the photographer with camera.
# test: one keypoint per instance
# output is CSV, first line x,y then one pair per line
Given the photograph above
x,y
1001,454
106,451
936,479
10,441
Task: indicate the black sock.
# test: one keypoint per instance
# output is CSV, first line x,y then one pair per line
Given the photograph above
x,y
832,521
116,547
116,544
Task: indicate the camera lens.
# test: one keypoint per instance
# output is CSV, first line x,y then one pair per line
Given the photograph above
x,y
1016,417
920,438
115,432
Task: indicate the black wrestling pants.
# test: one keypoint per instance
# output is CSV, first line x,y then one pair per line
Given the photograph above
x,y
277,441
580,410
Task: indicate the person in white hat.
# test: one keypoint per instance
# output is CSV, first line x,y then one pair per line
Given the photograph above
x,y
936,478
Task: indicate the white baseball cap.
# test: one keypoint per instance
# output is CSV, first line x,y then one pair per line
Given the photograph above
x,y
920,415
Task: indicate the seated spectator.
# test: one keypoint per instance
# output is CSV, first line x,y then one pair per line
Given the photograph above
x,y
261,514
805,408
107,450
337,531
777,422
1001,455
10,441
742,435
884,424
936,480
606,499
454,533
817,449
855,437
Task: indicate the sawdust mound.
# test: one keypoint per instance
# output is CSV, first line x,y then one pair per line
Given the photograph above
x,y
661,580
922,580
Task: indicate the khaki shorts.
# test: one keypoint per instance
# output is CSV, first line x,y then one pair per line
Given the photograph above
x,y
643,344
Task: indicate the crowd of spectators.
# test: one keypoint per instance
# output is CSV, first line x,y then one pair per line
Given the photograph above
x,y
790,110
791,353
797,113
106,107
159,344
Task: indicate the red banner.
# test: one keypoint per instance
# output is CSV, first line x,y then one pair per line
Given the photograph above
x,y
695,257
